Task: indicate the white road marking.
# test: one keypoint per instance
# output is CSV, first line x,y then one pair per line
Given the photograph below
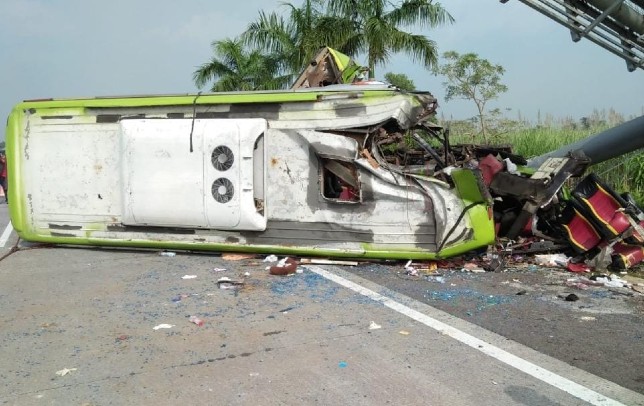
x,y
5,235
514,361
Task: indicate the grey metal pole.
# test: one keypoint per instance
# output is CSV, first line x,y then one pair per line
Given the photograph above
x,y
616,141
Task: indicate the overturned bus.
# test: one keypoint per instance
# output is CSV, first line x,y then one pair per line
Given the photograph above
x,y
322,169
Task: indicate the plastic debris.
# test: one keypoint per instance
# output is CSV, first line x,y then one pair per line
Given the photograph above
x,y
571,298
343,364
168,254
374,326
588,318
511,167
188,276
404,332
271,258
246,273
219,269
160,326
613,281
65,371
196,320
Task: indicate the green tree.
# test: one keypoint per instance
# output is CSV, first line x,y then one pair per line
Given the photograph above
x,y
373,28
401,81
297,37
472,78
234,67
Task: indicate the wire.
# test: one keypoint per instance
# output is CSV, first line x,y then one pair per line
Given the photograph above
x,y
194,114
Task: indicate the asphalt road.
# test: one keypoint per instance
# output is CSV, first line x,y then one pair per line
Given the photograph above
x,y
77,327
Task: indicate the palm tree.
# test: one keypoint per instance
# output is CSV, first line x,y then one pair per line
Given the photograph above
x,y
375,29
296,38
234,67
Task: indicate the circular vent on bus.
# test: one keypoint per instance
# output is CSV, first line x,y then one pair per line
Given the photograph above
x,y
223,190
222,158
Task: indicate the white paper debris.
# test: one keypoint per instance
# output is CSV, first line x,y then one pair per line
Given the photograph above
x,y
160,326
65,371
374,326
271,258
188,276
551,259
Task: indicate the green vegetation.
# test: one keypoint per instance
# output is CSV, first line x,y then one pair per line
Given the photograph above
x,y
470,77
401,81
373,27
235,68
287,43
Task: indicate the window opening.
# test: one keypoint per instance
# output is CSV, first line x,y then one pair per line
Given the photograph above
x,y
340,181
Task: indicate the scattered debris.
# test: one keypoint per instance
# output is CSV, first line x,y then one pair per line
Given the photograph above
x,y
227,283
438,279
229,256
588,318
65,371
404,332
271,258
168,254
577,268
286,266
472,267
552,260
180,297
374,326
343,364
188,276
219,269
160,326
196,320
571,298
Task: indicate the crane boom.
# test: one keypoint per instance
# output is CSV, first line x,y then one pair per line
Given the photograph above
x,y
615,25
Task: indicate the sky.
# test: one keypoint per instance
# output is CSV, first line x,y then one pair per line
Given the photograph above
x,y
77,48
